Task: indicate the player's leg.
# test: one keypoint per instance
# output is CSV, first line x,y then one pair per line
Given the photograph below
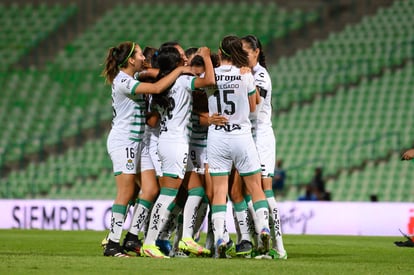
x,y
266,147
244,245
218,213
195,196
173,157
248,164
277,251
124,166
148,194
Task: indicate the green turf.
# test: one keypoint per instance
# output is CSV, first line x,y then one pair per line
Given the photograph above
x,y
79,252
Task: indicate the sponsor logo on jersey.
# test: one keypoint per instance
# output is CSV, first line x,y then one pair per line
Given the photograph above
x,y
228,77
228,127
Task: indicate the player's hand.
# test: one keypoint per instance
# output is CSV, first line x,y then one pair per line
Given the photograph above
x,y
217,119
204,52
409,154
245,70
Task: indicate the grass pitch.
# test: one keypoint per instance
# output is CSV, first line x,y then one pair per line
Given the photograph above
x,y
79,252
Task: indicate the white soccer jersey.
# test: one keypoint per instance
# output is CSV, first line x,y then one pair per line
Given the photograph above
x,y
175,120
128,120
264,83
174,128
262,125
230,98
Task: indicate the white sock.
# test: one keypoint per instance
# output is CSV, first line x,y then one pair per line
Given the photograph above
x,y
253,224
159,214
262,214
179,231
117,221
218,219
171,224
276,227
194,198
210,235
242,222
141,213
201,216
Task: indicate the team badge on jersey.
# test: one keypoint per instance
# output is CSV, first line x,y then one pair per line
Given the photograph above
x,y
130,164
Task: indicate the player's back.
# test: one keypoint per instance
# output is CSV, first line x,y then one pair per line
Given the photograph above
x,y
230,98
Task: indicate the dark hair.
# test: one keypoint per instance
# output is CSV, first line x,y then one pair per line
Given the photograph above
x,y
231,49
254,44
149,53
168,59
117,58
190,51
169,44
199,61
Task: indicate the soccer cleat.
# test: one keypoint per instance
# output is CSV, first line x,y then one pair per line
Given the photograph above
x,y
152,251
221,248
231,249
265,238
408,243
113,249
104,242
244,248
189,245
164,245
277,255
178,254
132,246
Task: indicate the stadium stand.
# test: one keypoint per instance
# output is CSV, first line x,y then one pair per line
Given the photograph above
x,y
357,125
75,104
360,50
341,103
24,26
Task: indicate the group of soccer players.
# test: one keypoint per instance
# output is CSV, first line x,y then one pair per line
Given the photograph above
x,y
190,131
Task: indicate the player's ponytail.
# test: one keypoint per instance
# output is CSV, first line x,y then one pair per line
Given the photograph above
x,y
254,44
117,58
231,49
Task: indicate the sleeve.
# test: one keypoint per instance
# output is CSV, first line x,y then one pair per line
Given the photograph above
x,y
128,86
251,87
187,81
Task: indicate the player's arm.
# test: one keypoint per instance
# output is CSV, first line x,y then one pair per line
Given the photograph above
x,y
162,84
208,78
148,73
253,100
152,119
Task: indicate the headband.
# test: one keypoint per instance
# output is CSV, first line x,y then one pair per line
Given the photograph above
x,y
223,51
129,55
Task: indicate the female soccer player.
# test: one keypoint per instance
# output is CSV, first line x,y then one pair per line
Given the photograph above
x,y
149,168
124,140
232,144
175,109
264,137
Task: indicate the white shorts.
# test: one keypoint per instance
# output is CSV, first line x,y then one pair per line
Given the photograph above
x,y
266,147
146,160
153,152
224,151
173,156
197,158
126,160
